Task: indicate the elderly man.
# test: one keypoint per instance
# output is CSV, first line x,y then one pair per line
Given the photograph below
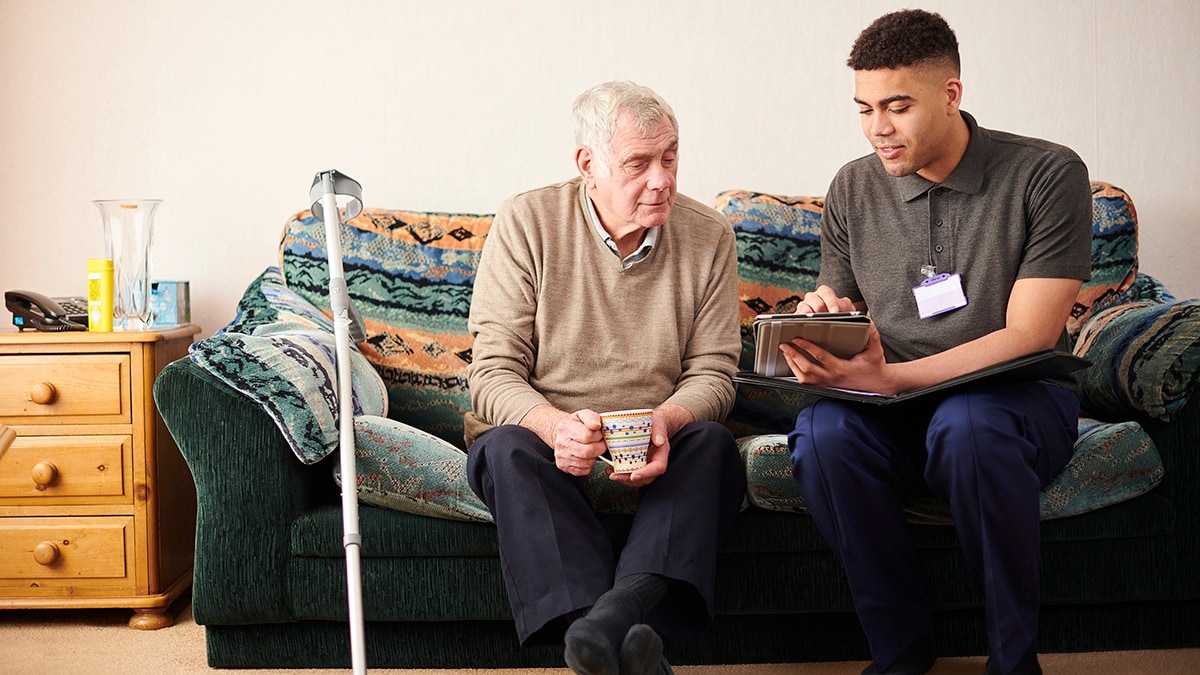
x,y
608,291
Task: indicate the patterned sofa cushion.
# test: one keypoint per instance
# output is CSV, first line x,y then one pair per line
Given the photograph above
x,y
1146,288
1145,357
779,254
279,352
401,467
1111,463
409,275
1114,254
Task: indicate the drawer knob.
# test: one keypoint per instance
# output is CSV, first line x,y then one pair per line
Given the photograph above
x,y
44,475
45,553
43,393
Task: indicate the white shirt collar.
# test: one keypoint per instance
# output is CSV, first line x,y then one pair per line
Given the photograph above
x,y
648,241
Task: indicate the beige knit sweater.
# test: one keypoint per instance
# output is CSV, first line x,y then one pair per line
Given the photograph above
x,y
556,319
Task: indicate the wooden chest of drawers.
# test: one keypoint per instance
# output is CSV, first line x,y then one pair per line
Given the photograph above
x,y
97,508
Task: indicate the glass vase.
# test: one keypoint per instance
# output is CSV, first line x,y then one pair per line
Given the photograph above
x,y
128,239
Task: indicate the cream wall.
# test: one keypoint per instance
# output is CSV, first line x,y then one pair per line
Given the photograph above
x,y
226,110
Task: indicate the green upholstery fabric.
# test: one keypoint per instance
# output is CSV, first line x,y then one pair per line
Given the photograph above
x,y
781,594
1111,463
747,639
279,352
1145,357
270,563
249,488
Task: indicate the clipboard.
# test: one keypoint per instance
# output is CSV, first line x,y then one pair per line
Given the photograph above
x,y
843,334
1033,366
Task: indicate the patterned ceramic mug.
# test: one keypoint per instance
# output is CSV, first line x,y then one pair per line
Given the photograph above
x,y
627,435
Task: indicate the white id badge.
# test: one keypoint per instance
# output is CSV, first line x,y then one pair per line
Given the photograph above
x,y
939,294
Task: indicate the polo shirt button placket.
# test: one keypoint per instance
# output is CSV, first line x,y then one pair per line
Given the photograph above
x,y
935,219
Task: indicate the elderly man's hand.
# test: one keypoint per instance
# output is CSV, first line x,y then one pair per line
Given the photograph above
x,y
578,441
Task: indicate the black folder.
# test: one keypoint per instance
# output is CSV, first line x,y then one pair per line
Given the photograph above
x,y
1034,366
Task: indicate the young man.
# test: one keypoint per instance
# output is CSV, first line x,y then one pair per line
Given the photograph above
x,y
606,292
968,247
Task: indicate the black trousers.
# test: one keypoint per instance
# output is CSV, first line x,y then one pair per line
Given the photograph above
x,y
556,556
988,448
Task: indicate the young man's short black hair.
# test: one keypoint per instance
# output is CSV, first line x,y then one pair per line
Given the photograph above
x,y
906,38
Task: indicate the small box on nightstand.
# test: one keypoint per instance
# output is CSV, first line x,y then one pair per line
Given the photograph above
x,y
170,303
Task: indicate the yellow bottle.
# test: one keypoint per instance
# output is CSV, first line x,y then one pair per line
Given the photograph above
x,y
100,294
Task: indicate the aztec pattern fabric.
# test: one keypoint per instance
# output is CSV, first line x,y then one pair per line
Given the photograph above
x,y
1114,254
1111,463
779,254
410,276
279,351
1146,288
403,468
1145,357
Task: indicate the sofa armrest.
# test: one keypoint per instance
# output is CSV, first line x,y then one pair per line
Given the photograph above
x,y
249,489
1145,359
1178,443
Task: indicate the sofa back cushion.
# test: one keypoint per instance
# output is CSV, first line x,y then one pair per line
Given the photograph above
x,y
409,274
779,253
1114,254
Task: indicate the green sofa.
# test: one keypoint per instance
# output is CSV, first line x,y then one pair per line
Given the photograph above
x,y
249,410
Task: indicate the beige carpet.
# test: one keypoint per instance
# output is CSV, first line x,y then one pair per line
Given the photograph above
x,y
65,642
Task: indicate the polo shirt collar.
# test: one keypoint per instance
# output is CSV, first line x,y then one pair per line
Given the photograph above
x,y
967,177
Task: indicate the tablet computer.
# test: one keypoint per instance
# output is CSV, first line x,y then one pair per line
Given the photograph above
x,y
843,334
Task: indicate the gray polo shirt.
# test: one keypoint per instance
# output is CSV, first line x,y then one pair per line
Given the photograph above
x,y
1013,208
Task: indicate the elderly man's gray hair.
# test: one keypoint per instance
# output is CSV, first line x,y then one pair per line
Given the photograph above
x,y
596,111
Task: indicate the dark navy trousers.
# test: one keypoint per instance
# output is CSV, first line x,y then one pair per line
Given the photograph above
x,y
989,449
557,557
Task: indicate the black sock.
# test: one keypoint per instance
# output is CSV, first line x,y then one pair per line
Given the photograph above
x,y
641,652
593,643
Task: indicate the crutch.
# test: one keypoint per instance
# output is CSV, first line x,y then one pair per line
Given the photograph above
x,y
326,188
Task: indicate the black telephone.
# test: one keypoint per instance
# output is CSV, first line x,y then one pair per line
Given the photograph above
x,y
34,310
